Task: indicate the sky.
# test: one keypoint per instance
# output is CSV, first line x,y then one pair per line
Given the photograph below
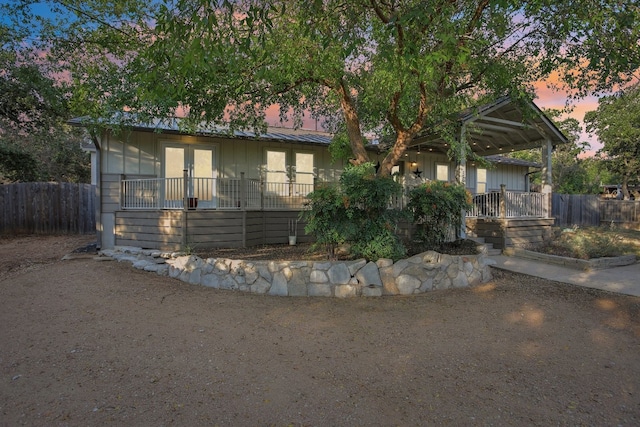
x,y
549,99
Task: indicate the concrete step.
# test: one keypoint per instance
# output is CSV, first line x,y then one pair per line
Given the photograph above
x,y
491,251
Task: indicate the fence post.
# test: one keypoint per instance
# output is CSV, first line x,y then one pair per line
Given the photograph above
x,y
503,201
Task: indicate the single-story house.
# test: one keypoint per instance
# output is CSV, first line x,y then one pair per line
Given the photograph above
x,y
158,187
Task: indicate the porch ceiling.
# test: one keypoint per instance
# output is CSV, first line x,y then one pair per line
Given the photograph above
x,y
499,128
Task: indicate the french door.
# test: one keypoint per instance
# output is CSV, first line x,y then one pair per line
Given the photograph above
x,y
199,161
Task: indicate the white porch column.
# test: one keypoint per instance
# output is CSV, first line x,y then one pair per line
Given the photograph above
x,y
461,178
547,179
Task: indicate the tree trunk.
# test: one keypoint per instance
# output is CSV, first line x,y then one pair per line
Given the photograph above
x,y
353,126
625,187
402,142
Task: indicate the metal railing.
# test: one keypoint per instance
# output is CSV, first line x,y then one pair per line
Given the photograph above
x,y
509,204
254,194
211,193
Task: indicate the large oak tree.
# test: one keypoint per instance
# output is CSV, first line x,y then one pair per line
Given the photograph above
x,y
389,68
392,68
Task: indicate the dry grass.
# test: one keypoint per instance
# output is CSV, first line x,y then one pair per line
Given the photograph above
x,y
592,242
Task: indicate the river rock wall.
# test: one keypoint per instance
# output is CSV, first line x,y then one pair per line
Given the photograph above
x,y
342,279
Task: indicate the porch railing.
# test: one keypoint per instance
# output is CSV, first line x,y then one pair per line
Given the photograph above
x,y
254,194
211,193
509,204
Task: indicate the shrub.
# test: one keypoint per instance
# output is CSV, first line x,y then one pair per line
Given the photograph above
x,y
437,209
357,212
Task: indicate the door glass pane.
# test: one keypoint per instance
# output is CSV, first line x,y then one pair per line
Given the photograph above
x,y
304,174
202,174
174,164
277,173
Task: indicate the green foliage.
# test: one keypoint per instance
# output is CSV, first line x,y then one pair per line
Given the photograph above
x,y
616,122
17,165
437,207
325,218
356,212
35,142
395,69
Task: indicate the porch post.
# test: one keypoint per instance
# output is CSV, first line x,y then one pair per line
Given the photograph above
x,y
547,178
503,201
243,208
461,178
185,206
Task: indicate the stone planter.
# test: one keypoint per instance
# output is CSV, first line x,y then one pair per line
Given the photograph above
x,y
578,264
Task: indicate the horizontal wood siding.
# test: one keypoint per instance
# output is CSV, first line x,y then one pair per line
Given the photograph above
x,y
511,232
149,229
276,227
110,193
255,228
215,229
205,229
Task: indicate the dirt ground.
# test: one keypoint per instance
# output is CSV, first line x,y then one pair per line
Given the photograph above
x,y
86,342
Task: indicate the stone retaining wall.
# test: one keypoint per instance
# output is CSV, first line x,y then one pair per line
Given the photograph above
x,y
420,273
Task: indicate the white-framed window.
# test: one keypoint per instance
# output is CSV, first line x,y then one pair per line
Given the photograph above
x,y
289,172
481,181
442,172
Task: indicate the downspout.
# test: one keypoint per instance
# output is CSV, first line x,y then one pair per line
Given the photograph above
x,y
527,184
98,207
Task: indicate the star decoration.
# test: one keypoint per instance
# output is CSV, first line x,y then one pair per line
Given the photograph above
x,y
417,173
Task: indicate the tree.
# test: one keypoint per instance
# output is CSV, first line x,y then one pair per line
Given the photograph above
x,y
35,142
392,68
571,174
616,122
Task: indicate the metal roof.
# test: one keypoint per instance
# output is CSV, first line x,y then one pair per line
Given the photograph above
x,y
500,127
273,133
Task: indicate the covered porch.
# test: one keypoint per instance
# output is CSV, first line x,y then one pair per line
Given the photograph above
x,y
173,214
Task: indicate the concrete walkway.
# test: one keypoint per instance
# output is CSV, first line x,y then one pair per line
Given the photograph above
x,y
623,280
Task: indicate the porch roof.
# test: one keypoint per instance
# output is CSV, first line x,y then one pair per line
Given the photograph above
x,y
499,127
512,161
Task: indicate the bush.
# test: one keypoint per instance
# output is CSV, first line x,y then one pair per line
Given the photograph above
x,y
357,212
437,209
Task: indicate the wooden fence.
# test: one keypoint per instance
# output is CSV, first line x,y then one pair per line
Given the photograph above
x,y
46,207
592,210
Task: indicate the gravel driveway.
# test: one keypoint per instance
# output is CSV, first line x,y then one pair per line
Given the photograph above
x,y
94,343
